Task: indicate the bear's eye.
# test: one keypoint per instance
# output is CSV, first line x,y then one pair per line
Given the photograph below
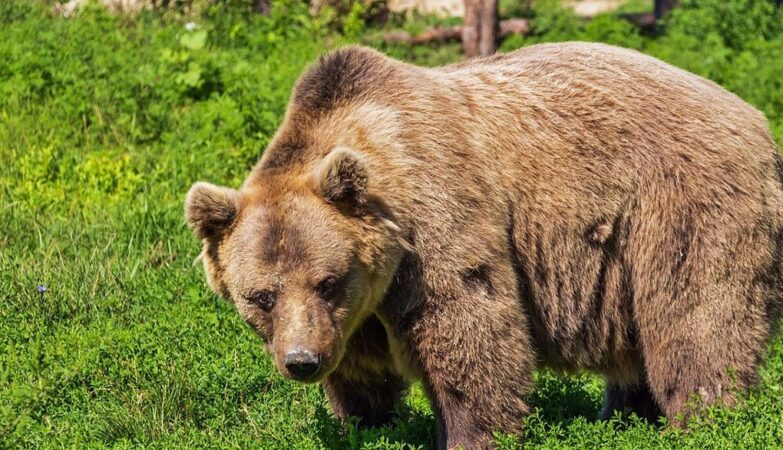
x,y
264,299
326,287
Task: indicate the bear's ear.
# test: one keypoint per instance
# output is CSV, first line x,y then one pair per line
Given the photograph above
x,y
342,177
210,209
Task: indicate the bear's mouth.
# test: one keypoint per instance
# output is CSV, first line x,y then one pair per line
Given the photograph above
x,y
305,377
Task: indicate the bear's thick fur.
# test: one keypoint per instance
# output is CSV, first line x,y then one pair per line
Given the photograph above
x,y
573,206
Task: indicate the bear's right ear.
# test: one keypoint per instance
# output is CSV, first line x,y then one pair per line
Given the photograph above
x,y
210,209
342,177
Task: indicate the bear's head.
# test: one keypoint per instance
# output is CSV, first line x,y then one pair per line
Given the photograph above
x,y
305,257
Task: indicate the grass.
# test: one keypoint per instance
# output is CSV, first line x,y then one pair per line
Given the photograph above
x,y
106,121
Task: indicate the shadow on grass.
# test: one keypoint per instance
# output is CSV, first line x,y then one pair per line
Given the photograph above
x,y
562,399
410,430
558,400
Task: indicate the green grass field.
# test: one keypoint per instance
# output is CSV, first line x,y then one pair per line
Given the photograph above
x,y
104,124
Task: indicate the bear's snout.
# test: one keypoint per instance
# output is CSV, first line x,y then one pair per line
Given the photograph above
x,y
302,364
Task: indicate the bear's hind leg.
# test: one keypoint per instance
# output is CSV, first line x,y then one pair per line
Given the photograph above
x,y
703,281
634,399
703,352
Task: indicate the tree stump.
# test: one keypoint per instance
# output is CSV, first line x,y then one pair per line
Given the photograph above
x,y
480,28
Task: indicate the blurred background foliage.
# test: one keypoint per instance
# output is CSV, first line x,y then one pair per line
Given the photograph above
x,y
105,121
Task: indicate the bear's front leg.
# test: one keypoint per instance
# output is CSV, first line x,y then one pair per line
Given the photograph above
x,y
477,359
365,385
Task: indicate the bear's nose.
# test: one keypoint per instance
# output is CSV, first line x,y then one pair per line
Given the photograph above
x,y
301,364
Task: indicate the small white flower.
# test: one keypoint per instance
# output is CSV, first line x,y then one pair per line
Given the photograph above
x,y
190,26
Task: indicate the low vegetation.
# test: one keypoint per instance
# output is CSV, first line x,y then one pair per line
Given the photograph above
x,y
108,334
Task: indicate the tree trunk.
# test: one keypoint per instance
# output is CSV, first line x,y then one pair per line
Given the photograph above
x,y
662,7
480,28
489,27
471,31
262,7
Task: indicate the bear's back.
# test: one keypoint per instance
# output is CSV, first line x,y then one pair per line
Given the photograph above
x,y
627,73
599,106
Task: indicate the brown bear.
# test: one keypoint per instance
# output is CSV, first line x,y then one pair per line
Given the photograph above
x,y
574,206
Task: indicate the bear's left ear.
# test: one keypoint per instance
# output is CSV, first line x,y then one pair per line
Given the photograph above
x,y
210,210
342,177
